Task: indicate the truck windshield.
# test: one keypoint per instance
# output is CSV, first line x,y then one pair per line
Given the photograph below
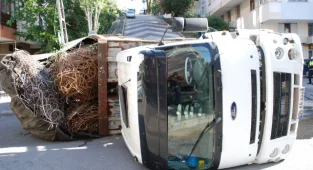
x,y
190,107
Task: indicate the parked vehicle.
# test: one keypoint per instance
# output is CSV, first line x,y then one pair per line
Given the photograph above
x,y
218,102
131,13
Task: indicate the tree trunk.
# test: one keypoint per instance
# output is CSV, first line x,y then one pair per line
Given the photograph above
x,y
96,19
148,6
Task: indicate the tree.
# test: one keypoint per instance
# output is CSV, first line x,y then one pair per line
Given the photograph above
x,y
176,7
107,18
37,22
218,23
149,5
92,9
75,20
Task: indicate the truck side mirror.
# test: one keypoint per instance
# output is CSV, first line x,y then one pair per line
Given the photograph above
x,y
189,25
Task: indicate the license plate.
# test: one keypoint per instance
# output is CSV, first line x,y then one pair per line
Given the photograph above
x,y
301,103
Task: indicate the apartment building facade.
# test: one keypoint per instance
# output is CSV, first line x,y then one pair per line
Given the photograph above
x,y
290,16
8,41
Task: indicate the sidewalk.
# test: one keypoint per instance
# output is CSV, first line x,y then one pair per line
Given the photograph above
x,y
308,94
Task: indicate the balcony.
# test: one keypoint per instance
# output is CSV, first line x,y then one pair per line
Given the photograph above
x,y
222,6
5,18
286,11
6,33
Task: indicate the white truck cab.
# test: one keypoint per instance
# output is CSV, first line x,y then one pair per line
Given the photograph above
x,y
211,103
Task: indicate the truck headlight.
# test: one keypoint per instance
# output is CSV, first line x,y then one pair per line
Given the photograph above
x,y
274,153
279,53
292,54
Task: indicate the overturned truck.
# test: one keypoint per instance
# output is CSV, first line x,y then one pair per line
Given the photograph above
x,y
224,100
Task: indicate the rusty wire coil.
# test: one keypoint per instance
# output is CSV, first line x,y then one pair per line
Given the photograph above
x,y
83,118
78,74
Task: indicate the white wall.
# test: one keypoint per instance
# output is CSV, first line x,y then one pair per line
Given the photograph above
x,y
305,50
214,5
303,29
271,26
249,18
297,10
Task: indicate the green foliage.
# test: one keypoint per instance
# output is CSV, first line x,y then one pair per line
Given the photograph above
x,y
191,15
75,18
177,7
218,23
107,18
39,22
155,8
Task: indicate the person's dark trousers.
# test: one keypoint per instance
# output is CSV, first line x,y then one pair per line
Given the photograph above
x,y
310,75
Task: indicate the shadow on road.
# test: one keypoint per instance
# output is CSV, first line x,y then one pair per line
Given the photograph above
x,y
21,150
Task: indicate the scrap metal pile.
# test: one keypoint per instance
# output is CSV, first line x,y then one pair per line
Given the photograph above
x,y
77,78
59,94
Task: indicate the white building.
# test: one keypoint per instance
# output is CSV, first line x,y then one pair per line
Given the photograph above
x,y
295,16
200,7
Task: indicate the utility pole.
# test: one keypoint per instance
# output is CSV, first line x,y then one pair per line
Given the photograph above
x,y
63,30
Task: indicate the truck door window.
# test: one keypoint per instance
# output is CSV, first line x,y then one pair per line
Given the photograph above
x,y
190,105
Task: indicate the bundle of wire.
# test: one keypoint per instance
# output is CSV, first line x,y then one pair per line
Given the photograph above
x,y
36,87
78,74
83,118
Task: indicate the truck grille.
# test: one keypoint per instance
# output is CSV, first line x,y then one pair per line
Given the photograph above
x,y
281,104
254,101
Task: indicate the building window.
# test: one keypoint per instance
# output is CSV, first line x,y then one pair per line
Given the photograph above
x,y
5,6
252,5
7,10
11,48
238,11
229,16
310,29
287,28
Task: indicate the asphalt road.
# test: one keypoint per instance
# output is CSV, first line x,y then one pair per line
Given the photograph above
x,y
20,150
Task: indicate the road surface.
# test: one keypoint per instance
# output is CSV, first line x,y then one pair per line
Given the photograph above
x,y
148,27
20,150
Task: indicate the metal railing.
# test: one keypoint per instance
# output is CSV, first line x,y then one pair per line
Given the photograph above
x,y
118,26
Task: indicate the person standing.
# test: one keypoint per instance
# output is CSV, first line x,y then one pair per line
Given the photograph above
x,y
310,69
